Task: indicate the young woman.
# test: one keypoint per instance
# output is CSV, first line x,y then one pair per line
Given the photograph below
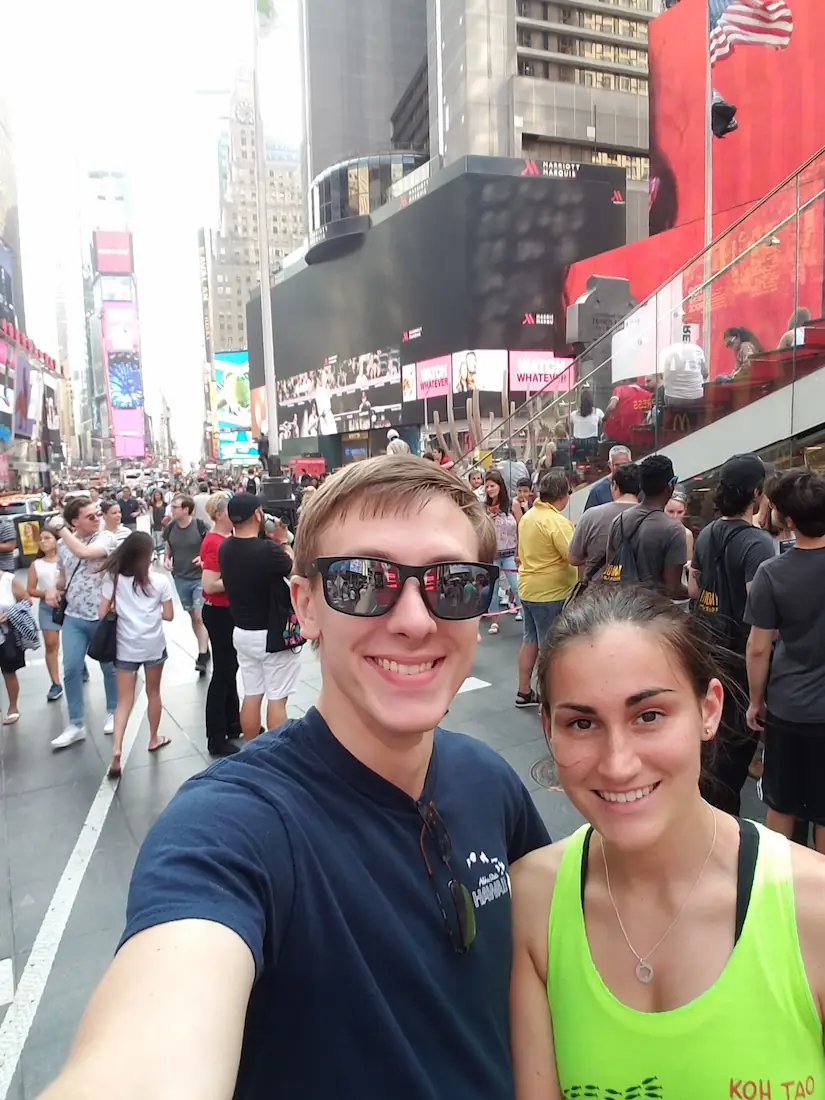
x,y
585,423
143,603
223,709
505,522
113,521
157,514
43,576
625,980
12,657
676,508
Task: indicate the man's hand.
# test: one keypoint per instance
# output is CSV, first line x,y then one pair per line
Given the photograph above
x,y
755,718
197,561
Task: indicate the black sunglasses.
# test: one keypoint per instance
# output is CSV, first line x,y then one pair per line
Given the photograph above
x,y
461,931
368,587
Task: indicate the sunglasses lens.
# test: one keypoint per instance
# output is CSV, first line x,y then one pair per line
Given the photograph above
x,y
361,586
465,911
459,590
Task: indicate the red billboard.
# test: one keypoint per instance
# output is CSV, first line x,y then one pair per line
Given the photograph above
x,y
112,252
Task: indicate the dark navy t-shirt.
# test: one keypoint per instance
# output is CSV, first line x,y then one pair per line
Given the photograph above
x,y
315,861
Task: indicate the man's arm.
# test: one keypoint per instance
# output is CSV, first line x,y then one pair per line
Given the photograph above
x,y
9,537
758,656
211,582
674,563
199,974
280,562
577,550
82,549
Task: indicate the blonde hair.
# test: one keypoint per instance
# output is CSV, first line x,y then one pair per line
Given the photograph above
x,y
216,503
386,485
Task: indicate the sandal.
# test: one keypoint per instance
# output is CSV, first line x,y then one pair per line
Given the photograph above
x,y
162,743
11,718
493,628
115,770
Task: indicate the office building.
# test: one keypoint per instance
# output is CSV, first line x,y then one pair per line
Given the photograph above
x,y
357,60
11,276
235,271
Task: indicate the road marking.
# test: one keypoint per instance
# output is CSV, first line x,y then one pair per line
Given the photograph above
x,y
23,1006
6,982
472,683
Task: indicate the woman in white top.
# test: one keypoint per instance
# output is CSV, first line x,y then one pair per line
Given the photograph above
x,y
142,602
585,423
43,576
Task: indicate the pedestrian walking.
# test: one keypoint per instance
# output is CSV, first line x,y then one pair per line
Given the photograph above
x,y
43,577
183,538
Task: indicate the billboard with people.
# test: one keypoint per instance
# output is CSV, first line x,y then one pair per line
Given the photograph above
x,y
233,405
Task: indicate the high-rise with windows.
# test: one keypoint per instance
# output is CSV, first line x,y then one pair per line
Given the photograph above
x,y
552,80
235,267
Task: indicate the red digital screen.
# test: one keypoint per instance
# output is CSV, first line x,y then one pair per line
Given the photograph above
x,y
113,253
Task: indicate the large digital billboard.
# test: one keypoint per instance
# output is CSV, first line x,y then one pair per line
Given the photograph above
x,y
124,378
464,267
6,284
233,404
112,252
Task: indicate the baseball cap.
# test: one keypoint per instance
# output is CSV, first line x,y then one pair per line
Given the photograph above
x,y
392,434
743,472
243,506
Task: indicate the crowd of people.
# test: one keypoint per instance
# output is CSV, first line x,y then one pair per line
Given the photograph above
x,y
364,849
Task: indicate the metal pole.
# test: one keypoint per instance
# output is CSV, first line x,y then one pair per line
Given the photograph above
x,y
706,303
263,249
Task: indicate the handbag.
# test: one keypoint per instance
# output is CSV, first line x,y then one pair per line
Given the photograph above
x,y
59,612
103,646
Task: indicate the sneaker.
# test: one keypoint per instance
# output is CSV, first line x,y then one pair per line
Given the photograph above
x,y
200,664
85,675
68,737
527,699
226,748
519,617
109,726
54,693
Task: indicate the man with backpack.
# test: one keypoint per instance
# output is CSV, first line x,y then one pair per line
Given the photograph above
x,y
726,556
183,538
645,546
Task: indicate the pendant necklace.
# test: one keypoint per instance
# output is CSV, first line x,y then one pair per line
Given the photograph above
x,y
644,967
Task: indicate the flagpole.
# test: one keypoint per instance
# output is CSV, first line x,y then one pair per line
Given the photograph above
x,y
706,297
263,250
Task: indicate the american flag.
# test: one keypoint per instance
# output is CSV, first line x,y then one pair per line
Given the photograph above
x,y
748,23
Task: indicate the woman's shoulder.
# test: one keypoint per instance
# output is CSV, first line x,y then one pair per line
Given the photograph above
x,y
809,897
534,875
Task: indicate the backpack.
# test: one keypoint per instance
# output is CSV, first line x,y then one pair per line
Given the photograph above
x,y
623,566
717,609
252,486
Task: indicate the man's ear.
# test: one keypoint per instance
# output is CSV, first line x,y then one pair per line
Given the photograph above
x,y
304,601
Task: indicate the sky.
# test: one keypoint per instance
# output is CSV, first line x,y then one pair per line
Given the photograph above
x,y
139,87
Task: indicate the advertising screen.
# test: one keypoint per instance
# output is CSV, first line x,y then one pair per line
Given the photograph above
x,y
23,423
434,377
125,382
408,383
533,371
128,430
116,288
120,328
6,284
112,252
233,404
51,418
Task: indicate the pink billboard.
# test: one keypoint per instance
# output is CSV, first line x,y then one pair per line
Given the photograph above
x,y
124,378
434,377
127,428
120,327
532,371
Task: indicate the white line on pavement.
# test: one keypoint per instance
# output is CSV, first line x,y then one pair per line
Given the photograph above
x,y
22,1010
6,981
472,683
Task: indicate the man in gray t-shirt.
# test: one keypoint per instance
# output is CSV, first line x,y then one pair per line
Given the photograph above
x,y
183,538
8,542
588,548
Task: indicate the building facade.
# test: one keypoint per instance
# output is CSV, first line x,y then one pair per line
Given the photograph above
x,y
235,270
11,276
357,60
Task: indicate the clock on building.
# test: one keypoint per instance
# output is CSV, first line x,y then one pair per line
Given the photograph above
x,y
244,112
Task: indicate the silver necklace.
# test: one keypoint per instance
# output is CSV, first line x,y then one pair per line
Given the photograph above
x,y
644,967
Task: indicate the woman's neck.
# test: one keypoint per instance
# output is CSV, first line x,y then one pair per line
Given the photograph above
x,y
51,556
677,853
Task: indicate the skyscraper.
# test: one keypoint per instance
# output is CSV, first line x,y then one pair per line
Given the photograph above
x,y
11,279
235,271
357,59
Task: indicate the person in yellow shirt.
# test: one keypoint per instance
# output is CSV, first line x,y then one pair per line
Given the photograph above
x,y
545,576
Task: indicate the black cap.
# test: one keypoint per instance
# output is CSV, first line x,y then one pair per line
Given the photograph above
x,y
745,472
243,506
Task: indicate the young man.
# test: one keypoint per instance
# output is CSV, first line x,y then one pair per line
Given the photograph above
x,y
588,548
545,577
255,572
726,556
183,538
8,544
329,911
651,541
82,548
200,498
787,686
130,508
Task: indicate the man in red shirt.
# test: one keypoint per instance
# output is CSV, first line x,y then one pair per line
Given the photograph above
x,y
223,718
627,409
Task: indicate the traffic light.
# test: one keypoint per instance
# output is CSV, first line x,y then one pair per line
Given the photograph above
x,y
722,119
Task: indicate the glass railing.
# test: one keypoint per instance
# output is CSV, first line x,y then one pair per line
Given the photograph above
x,y
741,322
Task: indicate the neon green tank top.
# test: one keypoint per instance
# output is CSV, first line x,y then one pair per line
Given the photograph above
x,y
754,1035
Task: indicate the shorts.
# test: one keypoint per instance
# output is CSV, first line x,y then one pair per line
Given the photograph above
x,y
133,666
793,780
44,617
274,675
190,592
538,618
